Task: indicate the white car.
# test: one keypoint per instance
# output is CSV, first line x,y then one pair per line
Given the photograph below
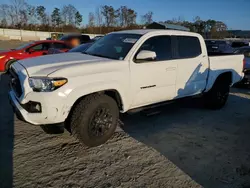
x,y
121,72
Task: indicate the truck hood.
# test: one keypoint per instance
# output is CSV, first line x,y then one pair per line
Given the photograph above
x,y
45,65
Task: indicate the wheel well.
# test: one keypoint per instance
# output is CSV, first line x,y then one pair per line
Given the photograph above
x,y
111,93
225,77
116,96
7,63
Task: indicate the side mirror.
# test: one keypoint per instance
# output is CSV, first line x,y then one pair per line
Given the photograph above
x,y
146,55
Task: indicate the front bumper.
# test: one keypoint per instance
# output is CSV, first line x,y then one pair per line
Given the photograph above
x,y
49,115
20,112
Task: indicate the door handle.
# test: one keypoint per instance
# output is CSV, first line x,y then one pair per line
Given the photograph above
x,y
170,68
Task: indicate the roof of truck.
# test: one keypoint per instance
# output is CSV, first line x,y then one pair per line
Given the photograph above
x,y
166,31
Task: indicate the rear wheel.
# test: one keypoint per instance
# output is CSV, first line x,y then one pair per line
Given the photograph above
x,y
217,97
94,119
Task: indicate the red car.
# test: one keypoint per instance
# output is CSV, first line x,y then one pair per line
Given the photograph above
x,y
28,50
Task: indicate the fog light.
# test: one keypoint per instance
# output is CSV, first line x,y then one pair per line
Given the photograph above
x,y
38,107
32,107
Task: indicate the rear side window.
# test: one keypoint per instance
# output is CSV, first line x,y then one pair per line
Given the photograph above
x,y
188,47
161,45
40,47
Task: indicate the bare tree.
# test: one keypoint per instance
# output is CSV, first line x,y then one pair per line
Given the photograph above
x,y
99,18
19,8
31,14
4,23
91,19
4,12
110,15
68,14
41,14
11,14
23,18
131,17
147,18
123,16
56,17
127,16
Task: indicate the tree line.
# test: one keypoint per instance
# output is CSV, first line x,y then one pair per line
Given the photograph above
x,y
18,14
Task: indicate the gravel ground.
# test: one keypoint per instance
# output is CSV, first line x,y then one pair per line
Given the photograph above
x,y
182,145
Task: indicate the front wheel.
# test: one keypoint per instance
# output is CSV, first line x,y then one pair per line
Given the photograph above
x,y
9,63
217,97
94,119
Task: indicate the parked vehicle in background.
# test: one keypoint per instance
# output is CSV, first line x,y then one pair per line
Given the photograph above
x,y
82,38
74,41
238,44
80,48
96,38
243,50
123,71
28,50
246,67
219,46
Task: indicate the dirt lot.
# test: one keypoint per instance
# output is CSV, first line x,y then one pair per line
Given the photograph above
x,y
182,146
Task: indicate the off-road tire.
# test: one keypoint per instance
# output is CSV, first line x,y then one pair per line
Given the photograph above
x,y
217,97
83,114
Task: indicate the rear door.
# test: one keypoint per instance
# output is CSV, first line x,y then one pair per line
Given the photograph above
x,y
192,65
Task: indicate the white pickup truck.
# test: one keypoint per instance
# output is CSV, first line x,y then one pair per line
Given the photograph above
x,y
123,71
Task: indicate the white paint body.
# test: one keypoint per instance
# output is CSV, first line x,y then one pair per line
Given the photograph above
x,y
89,74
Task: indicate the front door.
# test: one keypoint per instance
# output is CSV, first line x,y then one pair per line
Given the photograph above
x,y
37,50
154,81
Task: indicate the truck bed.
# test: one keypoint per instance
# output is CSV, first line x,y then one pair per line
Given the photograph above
x,y
225,63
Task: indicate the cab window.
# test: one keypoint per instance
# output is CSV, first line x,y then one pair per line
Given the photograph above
x,y
161,45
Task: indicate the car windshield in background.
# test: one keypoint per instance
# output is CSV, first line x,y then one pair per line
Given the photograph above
x,y
24,46
215,42
81,48
113,46
65,37
239,44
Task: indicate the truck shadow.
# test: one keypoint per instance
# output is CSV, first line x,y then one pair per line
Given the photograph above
x,y
6,135
212,147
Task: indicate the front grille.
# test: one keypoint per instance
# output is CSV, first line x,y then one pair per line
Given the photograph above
x,y
15,83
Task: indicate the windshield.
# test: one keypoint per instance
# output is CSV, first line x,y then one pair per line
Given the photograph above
x,y
24,46
113,46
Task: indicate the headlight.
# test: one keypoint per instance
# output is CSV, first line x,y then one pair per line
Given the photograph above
x,y
45,84
2,56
